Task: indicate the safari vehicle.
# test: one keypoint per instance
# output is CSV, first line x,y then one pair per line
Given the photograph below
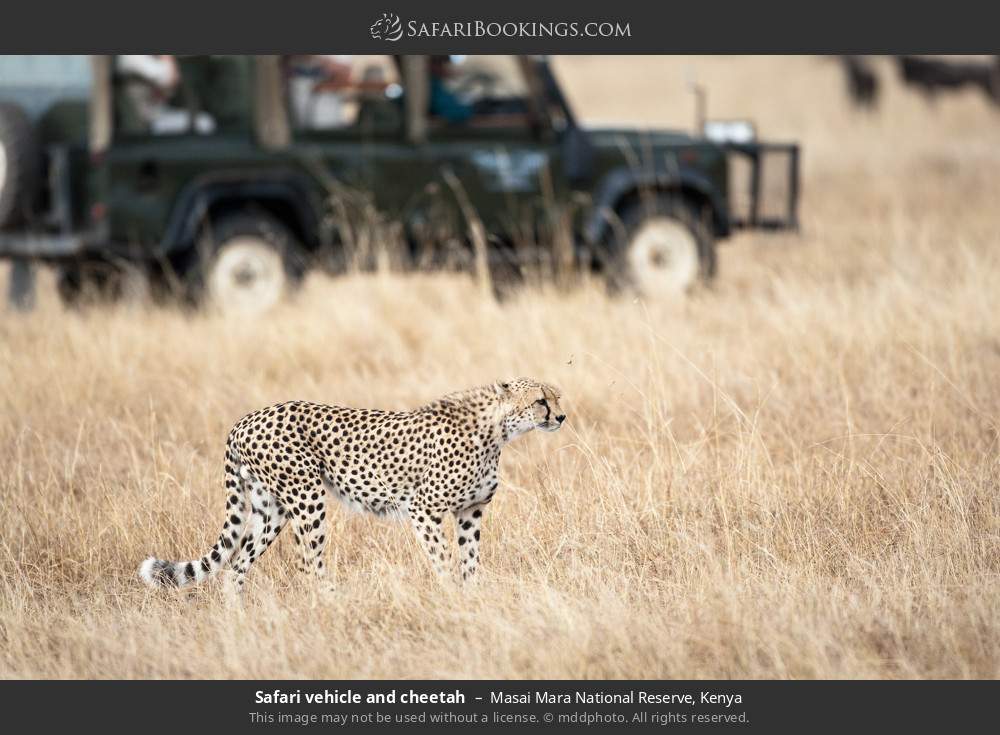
x,y
231,181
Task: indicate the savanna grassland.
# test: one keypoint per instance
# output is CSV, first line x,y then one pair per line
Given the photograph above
x,y
792,474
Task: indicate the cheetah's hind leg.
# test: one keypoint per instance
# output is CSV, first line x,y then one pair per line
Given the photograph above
x,y
267,517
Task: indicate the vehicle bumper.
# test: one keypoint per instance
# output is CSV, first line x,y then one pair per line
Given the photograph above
x,y
42,246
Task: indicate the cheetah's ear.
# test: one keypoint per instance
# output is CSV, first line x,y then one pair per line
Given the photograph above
x,y
501,388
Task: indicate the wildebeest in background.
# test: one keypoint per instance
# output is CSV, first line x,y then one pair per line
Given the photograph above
x,y
929,75
862,82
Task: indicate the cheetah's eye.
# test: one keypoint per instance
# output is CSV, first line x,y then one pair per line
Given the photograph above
x,y
542,402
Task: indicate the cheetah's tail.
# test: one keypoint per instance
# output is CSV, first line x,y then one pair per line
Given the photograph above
x,y
160,573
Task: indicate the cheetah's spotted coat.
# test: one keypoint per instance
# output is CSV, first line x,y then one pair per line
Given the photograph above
x,y
284,462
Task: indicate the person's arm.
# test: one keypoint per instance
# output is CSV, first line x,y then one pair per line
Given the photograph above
x,y
336,72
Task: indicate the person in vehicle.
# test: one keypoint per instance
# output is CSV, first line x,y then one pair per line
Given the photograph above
x,y
150,82
326,90
444,103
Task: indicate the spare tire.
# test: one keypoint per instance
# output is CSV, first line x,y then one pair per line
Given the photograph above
x,y
20,164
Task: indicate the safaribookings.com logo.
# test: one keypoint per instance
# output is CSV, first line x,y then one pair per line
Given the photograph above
x,y
390,28
387,28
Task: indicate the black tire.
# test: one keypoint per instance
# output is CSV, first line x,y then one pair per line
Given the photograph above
x,y
673,265
244,262
20,164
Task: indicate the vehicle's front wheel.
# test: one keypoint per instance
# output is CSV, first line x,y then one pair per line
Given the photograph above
x,y
664,247
246,263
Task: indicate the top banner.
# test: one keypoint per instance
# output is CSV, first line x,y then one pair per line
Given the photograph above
x,y
514,26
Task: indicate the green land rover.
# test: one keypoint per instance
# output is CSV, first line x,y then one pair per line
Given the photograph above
x,y
230,176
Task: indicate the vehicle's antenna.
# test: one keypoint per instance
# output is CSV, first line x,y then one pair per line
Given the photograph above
x,y
700,100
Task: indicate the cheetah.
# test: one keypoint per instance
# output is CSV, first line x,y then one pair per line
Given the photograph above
x,y
284,462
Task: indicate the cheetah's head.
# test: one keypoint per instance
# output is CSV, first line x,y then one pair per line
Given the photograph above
x,y
529,404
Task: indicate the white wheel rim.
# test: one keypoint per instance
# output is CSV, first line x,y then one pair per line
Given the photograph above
x,y
663,257
246,276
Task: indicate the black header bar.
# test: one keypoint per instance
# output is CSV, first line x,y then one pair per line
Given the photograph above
x,y
513,26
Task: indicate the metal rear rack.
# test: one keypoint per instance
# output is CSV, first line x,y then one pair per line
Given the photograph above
x,y
763,185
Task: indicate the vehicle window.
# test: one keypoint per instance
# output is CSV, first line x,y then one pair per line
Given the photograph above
x,y
45,71
182,95
37,81
488,91
331,92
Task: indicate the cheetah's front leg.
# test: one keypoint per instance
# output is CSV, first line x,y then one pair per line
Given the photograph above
x,y
427,525
467,522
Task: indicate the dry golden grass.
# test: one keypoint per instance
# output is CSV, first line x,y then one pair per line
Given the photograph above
x,y
792,475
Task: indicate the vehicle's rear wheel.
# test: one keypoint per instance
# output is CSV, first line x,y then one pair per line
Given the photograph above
x,y
665,246
20,164
246,263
